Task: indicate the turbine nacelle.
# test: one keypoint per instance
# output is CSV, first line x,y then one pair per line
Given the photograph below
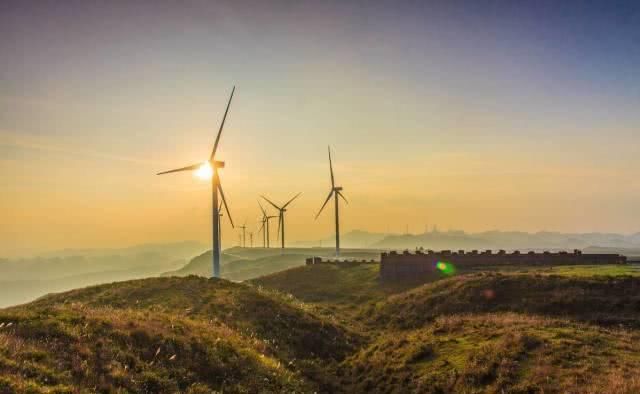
x,y
337,188
217,164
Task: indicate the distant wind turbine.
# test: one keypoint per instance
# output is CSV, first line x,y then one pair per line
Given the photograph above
x,y
210,167
265,225
244,234
281,211
335,192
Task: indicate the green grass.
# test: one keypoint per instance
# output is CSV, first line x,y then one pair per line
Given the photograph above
x,y
568,270
496,353
332,328
224,336
337,292
609,300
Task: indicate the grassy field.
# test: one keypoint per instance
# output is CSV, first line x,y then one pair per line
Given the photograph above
x,y
332,328
568,270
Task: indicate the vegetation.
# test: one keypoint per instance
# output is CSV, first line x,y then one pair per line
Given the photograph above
x,y
331,328
164,335
496,353
600,299
247,263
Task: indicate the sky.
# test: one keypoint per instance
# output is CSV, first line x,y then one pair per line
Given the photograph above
x,y
510,115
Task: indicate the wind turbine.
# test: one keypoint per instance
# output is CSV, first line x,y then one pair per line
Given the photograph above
x,y
206,169
265,224
335,192
244,234
281,211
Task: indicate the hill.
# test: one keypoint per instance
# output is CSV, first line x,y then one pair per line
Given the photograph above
x,y
338,292
247,263
509,240
24,279
482,332
605,300
164,335
497,353
331,328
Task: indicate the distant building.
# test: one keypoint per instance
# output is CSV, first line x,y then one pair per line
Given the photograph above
x,y
405,265
338,262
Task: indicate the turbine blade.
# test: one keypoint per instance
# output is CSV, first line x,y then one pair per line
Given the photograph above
x,y
264,213
187,168
345,200
226,207
289,202
261,227
215,145
270,202
325,203
333,183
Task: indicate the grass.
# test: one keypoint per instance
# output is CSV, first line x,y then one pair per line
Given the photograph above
x,y
337,292
496,353
167,335
567,270
608,300
331,328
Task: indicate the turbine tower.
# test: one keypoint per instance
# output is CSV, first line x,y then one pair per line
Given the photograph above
x,y
244,234
281,211
335,192
211,166
265,225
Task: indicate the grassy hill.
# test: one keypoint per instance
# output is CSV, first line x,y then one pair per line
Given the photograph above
x,y
247,263
164,335
482,332
497,353
331,328
601,299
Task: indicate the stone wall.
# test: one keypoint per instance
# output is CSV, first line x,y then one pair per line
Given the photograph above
x,y
394,265
320,260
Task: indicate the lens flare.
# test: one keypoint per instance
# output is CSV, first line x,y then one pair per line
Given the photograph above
x,y
204,171
446,268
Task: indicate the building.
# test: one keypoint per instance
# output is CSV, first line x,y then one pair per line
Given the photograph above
x,y
405,265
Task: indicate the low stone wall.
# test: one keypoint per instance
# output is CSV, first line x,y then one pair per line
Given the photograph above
x,y
395,265
338,262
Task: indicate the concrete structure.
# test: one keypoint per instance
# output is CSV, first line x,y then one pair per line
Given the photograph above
x,y
397,266
342,263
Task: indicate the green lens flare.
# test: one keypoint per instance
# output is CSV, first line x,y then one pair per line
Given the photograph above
x,y
446,268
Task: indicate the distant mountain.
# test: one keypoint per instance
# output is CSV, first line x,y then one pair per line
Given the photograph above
x,y
247,263
351,239
24,279
508,240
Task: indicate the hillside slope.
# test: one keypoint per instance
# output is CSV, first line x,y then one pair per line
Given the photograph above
x,y
167,334
497,353
599,299
248,263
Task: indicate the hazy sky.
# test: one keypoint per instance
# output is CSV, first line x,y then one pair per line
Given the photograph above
x,y
466,114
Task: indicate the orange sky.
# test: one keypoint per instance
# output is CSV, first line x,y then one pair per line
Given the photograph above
x,y
457,122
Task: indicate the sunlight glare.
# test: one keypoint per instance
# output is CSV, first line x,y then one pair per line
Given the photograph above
x,y
205,171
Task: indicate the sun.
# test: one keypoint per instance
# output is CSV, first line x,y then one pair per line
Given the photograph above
x,y
204,171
